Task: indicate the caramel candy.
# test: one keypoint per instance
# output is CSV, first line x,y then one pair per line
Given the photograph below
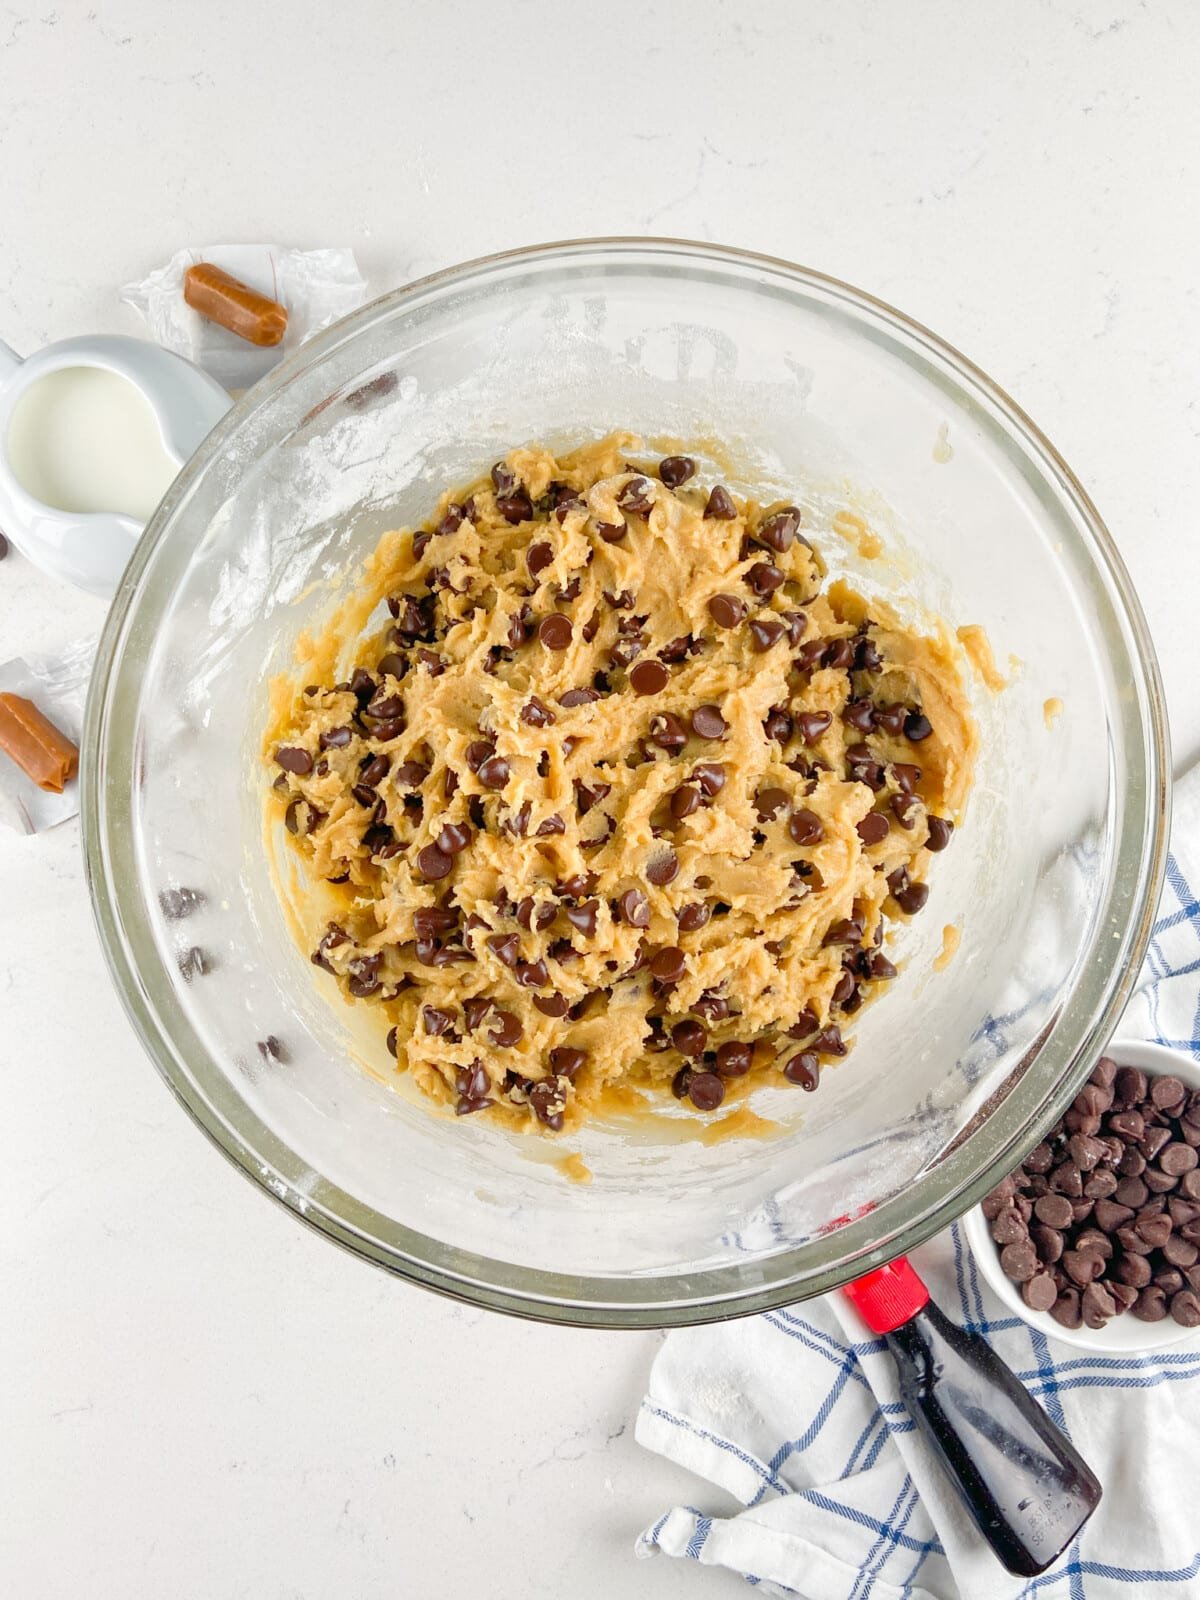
x,y
222,299
35,744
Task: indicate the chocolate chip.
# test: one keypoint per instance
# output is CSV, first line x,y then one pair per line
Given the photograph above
x,y
1009,1227
433,863
1054,1210
669,965
726,610
689,1038
1049,1242
712,1007
1019,1261
769,802
685,801
635,908
708,723
667,731
577,697
554,631
194,963
179,902
720,506
803,1069
1177,1158
939,833
538,557
292,759
453,838
435,1021
536,714
766,631
862,766
551,1005
649,677
764,578
1097,1305
911,898
505,1029
494,772
693,916
810,725
779,529
1039,1292
636,496
663,869
674,470
531,915
917,726
828,1042
583,917
506,947
806,827
777,725
873,828
515,506
705,1090
710,775
734,1059
532,974
859,714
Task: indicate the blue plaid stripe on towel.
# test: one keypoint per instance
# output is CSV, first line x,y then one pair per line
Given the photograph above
x,y
795,1413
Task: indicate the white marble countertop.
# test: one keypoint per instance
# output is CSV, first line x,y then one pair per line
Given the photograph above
x,y
198,1397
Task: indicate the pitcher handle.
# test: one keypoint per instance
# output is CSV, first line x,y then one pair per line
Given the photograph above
x,y
9,361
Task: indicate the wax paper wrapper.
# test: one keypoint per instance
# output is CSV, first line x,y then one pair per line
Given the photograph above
x,y
57,685
316,286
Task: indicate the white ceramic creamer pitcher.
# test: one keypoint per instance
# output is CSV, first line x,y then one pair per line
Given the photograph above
x,y
92,430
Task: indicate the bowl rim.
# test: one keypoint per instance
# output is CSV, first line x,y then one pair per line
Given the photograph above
x,y
867,1241
1156,1060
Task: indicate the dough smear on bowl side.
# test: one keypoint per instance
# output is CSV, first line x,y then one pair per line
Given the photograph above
x,y
619,794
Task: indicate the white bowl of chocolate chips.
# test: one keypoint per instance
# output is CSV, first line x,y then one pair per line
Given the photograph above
x,y
1095,1239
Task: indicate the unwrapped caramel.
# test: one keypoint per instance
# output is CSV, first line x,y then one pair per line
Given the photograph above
x,y
31,740
234,305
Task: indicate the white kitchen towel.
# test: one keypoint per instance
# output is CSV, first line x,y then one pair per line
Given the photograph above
x,y
796,1413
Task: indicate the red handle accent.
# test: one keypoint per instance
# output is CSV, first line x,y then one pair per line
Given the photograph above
x,y
888,1296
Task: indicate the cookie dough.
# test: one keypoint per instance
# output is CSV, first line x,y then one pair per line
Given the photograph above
x,y
616,792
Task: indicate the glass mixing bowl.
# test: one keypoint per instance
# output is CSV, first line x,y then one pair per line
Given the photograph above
x,y
838,401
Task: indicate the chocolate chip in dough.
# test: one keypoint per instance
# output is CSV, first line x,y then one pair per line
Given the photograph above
x,y
689,1038
674,470
705,1090
779,529
806,827
649,677
873,828
764,577
766,631
432,863
726,610
669,965
708,723
554,631
940,830
294,760
720,506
